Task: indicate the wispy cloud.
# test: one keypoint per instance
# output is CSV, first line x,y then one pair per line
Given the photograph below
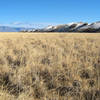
x,y
30,25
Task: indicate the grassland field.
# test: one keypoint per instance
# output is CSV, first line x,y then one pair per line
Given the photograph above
x,y
49,66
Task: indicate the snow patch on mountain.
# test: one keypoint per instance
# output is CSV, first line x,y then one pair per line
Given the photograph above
x,y
72,27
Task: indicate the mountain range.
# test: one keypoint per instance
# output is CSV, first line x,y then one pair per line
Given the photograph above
x,y
12,29
72,27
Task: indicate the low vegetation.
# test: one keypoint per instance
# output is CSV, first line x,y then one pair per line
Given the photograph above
x,y
49,66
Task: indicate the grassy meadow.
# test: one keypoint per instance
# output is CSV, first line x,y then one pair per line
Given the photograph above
x,y
49,66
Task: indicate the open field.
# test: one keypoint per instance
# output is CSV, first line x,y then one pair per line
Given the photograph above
x,y
49,66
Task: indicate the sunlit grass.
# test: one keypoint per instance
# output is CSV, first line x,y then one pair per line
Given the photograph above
x,y
49,66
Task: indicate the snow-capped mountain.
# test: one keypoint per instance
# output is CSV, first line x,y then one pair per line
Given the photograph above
x,y
12,29
72,27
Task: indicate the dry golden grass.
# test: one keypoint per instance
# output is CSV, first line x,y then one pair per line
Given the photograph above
x,y
49,66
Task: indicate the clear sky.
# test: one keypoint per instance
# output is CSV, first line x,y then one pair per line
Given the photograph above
x,y
49,11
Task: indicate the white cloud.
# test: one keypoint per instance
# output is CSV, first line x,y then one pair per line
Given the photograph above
x,y
28,25
16,23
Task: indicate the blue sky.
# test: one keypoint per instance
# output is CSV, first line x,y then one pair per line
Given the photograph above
x,y
48,11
